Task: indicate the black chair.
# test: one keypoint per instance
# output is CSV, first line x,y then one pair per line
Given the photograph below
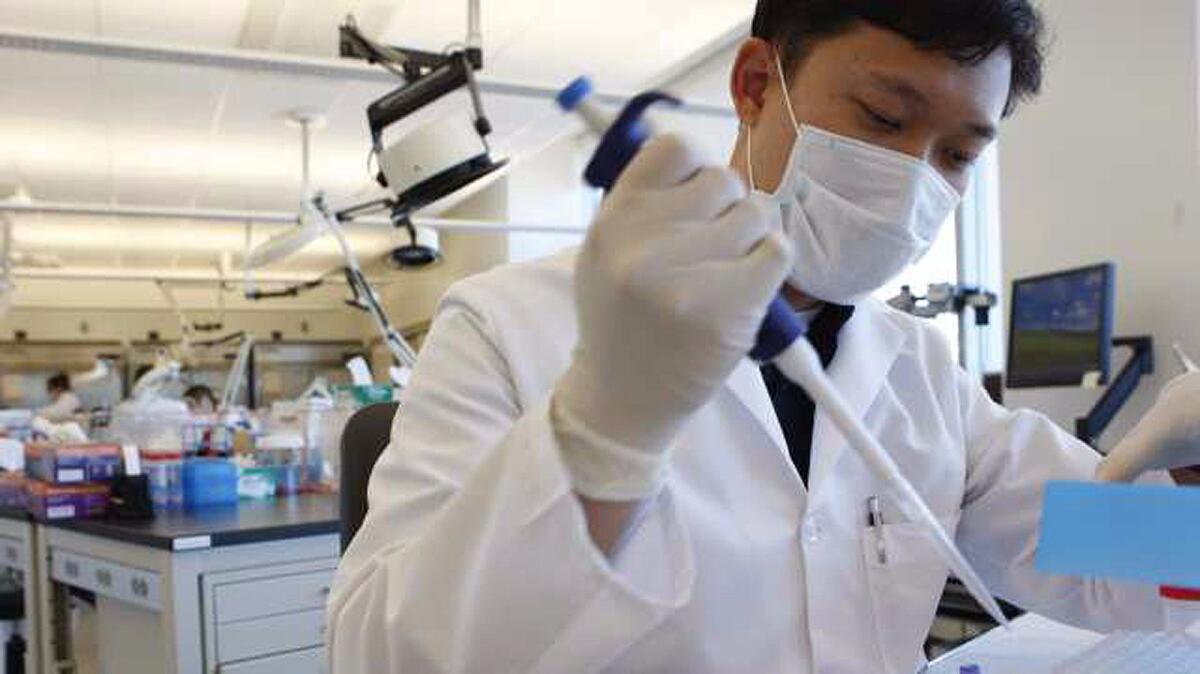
x,y
363,440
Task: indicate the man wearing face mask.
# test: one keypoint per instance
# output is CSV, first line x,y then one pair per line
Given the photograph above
x,y
588,475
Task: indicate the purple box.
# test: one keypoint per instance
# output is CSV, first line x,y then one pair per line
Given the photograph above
x,y
104,466
12,490
61,502
73,464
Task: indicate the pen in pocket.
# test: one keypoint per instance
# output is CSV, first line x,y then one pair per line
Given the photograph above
x,y
875,522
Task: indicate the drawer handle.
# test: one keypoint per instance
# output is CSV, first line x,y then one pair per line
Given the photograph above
x,y
71,568
104,577
140,587
324,592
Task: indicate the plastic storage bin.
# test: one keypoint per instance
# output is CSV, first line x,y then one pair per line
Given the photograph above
x,y
209,482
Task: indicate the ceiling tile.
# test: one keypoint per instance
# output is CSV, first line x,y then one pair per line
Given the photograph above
x,y
217,23
56,16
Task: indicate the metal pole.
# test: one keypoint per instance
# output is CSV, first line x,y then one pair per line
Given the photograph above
x,y
220,215
474,33
176,276
305,131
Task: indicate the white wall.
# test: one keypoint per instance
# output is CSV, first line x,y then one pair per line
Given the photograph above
x,y
1103,167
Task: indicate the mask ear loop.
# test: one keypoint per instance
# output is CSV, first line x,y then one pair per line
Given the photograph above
x,y
787,100
749,156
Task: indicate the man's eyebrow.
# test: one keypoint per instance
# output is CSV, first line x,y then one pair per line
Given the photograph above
x,y
901,88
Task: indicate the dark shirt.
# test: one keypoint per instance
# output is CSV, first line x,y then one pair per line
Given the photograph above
x,y
794,408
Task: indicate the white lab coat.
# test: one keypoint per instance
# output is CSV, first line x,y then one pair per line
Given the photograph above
x,y
474,556
63,408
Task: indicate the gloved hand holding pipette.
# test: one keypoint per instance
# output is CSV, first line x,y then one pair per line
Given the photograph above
x,y
670,288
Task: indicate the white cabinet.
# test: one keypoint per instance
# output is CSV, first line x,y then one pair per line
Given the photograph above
x,y
254,615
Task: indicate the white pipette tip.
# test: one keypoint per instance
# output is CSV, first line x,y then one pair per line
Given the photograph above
x,y
800,363
1185,361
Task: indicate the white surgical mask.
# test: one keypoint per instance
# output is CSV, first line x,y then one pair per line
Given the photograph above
x,y
856,214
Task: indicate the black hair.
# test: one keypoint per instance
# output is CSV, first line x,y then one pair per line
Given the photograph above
x,y
200,392
967,30
59,381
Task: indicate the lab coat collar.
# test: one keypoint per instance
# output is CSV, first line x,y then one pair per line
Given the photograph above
x,y
867,346
748,387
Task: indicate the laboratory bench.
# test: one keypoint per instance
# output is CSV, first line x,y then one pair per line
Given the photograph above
x,y
237,590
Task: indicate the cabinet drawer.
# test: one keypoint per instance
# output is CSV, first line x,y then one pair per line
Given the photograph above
x,y
12,552
311,661
267,636
116,581
124,583
71,569
262,597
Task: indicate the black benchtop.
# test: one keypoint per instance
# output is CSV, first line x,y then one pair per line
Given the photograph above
x,y
248,522
14,513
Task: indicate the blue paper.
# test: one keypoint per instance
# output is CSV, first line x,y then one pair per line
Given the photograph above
x,y
1121,531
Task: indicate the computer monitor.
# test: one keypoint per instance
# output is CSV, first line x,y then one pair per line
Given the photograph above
x,y
1060,329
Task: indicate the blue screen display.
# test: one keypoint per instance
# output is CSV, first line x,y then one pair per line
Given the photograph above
x,y
1070,303
1060,328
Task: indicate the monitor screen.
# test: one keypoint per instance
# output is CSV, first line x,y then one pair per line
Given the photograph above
x,y
1060,333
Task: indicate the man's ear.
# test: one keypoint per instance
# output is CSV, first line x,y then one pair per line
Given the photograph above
x,y
750,77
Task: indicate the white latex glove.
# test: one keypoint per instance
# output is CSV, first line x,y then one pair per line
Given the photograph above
x,y
1167,437
670,286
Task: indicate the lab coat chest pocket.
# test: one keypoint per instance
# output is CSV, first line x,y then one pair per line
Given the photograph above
x,y
905,577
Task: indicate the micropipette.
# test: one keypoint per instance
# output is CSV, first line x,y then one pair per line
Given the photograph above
x,y
780,338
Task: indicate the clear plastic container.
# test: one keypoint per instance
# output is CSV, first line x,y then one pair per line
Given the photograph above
x,y
164,472
156,424
207,437
287,479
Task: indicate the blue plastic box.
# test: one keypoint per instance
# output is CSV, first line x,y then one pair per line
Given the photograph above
x,y
209,482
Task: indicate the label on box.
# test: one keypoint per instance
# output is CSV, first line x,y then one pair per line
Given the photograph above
x,y
70,475
59,512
